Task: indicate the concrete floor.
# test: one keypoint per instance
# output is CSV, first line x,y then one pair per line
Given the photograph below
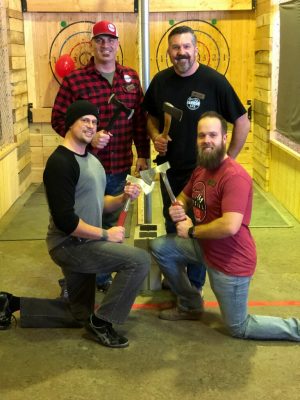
x,y
165,360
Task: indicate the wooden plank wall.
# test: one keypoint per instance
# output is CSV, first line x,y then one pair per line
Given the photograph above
x,y
276,168
41,29
15,166
262,94
19,93
285,178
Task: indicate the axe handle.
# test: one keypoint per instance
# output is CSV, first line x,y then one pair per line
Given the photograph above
x,y
168,187
123,213
169,190
111,122
166,130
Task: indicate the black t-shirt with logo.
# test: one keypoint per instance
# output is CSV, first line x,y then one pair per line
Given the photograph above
x,y
213,93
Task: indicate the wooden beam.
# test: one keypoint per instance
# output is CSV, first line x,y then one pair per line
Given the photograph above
x,y
199,5
41,114
79,6
128,5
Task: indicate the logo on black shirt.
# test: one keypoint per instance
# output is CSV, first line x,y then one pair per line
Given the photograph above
x,y
193,103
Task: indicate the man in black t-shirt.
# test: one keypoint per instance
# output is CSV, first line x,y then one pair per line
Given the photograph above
x,y
75,184
213,93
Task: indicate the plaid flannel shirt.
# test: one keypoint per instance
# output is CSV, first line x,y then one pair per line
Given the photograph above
x,y
88,84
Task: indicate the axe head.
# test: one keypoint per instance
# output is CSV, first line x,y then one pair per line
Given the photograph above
x,y
145,187
175,113
148,175
118,104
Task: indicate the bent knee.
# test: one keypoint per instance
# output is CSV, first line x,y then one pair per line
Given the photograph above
x,y
157,245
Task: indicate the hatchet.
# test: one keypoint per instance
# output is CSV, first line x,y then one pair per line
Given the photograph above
x,y
119,107
169,112
145,188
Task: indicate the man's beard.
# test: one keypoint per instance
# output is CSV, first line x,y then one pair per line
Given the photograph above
x,y
213,159
182,68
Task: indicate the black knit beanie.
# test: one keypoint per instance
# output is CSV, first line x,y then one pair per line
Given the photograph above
x,y
77,110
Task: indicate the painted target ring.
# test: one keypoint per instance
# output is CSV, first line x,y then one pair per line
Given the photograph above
x,y
74,40
212,45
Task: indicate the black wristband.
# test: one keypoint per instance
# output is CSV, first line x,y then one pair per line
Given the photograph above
x,y
104,236
191,232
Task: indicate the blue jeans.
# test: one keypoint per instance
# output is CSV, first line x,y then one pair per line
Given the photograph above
x,y
178,179
80,262
172,253
114,186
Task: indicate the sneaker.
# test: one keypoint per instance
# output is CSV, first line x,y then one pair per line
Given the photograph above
x,y
107,336
5,314
176,314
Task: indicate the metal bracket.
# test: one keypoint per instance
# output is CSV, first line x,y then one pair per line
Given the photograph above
x,y
136,6
253,4
29,112
24,5
249,111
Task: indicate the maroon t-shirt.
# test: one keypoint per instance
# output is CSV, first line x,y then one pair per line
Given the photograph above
x,y
227,189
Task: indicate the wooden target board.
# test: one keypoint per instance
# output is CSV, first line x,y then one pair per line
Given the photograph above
x,y
212,45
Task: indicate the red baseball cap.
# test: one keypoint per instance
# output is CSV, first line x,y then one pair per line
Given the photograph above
x,y
104,28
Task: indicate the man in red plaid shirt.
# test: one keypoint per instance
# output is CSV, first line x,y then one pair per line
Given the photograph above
x,y
95,83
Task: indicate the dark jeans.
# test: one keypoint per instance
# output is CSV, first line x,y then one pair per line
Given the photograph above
x,y
80,261
178,180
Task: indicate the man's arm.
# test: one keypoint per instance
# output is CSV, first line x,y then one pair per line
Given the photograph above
x,y
113,203
62,101
160,143
227,225
240,131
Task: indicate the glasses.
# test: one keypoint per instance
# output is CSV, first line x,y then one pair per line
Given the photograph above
x,y
88,122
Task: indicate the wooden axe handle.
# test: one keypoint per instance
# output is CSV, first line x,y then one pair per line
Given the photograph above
x,y
166,130
167,125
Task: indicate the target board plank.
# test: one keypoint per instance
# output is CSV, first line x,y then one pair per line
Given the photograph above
x,y
128,5
199,5
79,6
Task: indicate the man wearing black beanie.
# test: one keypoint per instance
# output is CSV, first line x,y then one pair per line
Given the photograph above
x,y
75,185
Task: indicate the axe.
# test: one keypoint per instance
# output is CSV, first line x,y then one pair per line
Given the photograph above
x,y
146,189
169,112
148,176
119,107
